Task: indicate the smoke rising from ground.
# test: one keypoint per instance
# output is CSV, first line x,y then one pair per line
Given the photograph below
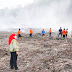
x,y
40,14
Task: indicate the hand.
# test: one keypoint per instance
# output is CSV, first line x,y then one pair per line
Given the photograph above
x,y
17,53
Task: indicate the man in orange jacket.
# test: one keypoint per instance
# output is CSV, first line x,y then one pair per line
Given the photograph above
x,y
19,36
64,33
31,32
50,31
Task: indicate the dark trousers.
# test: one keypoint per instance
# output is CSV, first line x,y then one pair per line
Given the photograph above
x,y
13,60
30,35
19,35
60,34
64,36
50,34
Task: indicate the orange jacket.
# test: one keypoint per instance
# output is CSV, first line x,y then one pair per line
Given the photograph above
x,y
18,32
71,32
63,32
50,31
31,31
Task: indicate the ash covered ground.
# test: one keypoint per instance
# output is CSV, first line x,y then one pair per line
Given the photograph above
x,y
37,54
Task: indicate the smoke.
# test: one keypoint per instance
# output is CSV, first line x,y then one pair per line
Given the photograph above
x,y
39,14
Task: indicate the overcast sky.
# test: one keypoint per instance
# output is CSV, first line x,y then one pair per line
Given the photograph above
x,y
39,14
14,3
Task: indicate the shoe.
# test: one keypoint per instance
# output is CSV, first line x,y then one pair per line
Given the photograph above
x,y
16,68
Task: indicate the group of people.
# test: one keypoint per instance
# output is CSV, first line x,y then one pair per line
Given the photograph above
x,y
43,32
31,33
13,44
63,33
14,48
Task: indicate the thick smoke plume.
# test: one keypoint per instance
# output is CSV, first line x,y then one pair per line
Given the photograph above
x,y
40,14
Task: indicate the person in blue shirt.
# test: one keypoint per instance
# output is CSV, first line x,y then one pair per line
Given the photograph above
x,y
43,32
60,32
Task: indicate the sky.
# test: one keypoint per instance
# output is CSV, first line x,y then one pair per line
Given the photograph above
x,y
14,3
36,14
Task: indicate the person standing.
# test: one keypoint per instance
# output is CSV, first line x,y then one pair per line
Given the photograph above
x,y
13,48
31,32
50,32
71,33
43,33
60,32
64,33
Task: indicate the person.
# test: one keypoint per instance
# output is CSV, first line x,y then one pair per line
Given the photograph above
x,y
64,33
13,48
19,35
60,32
71,33
31,32
50,31
43,32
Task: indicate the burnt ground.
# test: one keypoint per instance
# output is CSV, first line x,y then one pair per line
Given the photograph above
x,y
38,54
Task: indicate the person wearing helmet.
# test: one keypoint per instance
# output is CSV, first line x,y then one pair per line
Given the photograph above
x,y
13,48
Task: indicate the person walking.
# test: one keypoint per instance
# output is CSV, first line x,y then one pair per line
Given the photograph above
x,y
19,35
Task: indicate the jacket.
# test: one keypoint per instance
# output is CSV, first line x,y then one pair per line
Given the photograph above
x,y
13,46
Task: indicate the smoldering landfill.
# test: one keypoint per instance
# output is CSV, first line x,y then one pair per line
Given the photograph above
x,y
37,54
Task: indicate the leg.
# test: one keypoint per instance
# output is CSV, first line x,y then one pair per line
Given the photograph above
x,y
19,37
30,35
50,34
11,61
66,35
15,60
61,34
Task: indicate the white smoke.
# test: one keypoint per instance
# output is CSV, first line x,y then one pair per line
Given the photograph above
x,y
40,14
